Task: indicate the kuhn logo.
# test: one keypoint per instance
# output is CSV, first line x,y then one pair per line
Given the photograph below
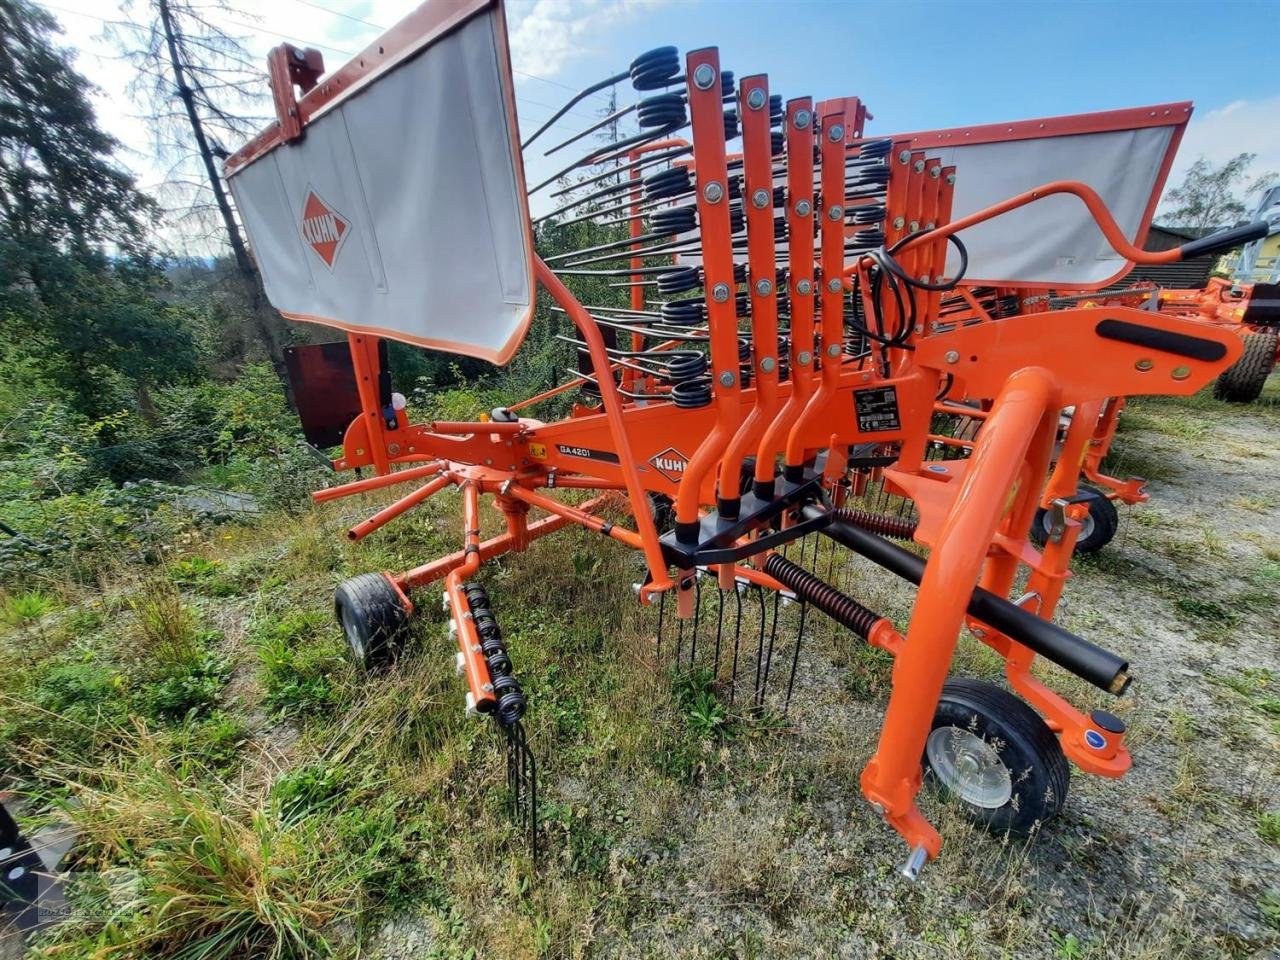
x,y
324,228
670,463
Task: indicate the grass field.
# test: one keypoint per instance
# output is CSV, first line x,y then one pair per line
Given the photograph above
x,y
241,790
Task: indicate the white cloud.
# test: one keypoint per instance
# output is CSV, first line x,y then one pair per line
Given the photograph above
x,y
547,34
1242,126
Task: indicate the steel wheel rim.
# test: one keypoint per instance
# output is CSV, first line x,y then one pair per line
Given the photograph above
x,y
969,767
1086,525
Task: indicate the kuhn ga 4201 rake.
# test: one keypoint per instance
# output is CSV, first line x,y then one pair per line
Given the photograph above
x,y
796,311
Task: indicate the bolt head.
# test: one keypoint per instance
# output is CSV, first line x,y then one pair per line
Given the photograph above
x,y
756,99
952,356
835,212
804,287
764,287
934,172
915,226
899,222
803,208
918,166
834,284
760,198
951,179
727,379
833,350
904,156
713,192
804,358
720,292
836,133
803,119
768,364
704,76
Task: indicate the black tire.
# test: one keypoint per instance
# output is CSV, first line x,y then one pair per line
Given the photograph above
x,y
983,728
1100,525
373,618
1242,382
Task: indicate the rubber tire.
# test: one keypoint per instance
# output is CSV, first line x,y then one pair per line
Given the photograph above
x,y
1103,513
1242,382
373,619
1040,772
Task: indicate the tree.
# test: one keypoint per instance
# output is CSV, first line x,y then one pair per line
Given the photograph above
x,y
1212,197
202,91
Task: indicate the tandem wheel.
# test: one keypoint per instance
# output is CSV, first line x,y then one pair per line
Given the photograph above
x,y
1098,527
373,617
996,757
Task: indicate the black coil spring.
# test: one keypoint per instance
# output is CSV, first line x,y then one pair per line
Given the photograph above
x,y
692,393
673,220
655,68
726,83
866,214
731,124
777,143
775,108
686,365
667,183
511,701
665,109
900,528
840,607
679,280
737,218
684,312
875,148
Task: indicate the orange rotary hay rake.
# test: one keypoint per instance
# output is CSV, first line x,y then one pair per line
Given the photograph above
x,y
798,307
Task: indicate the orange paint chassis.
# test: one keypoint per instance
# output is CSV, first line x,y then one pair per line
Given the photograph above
x,y
845,238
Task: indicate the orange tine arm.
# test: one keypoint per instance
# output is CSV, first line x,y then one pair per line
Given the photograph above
x,y
468,640
800,123
753,108
712,178
578,516
617,426
404,504
832,158
377,483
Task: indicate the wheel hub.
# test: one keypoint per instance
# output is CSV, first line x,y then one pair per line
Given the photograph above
x,y
969,767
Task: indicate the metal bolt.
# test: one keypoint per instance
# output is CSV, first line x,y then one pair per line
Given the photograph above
x,y
804,357
924,278
804,287
834,284
836,133
951,179
904,156
713,192
727,379
803,208
833,350
767,364
802,119
918,166
764,287
915,226
952,356
835,212
720,292
704,76
933,172
929,225
760,198
755,99
899,222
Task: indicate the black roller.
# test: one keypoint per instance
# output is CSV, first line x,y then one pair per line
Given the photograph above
x,y
1100,667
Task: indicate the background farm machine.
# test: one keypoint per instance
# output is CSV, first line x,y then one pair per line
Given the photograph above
x,y
798,310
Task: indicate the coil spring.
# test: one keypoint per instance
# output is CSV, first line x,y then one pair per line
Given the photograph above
x,y
866,214
726,83
775,108
673,220
684,312
690,394
679,280
731,130
875,148
873,174
777,143
900,528
779,228
667,183
840,607
737,218
686,365
655,69
666,109
511,701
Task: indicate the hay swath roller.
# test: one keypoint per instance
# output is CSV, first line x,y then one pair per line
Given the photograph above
x,y
784,335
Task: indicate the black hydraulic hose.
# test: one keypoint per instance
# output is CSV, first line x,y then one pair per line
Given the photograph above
x,y
1103,669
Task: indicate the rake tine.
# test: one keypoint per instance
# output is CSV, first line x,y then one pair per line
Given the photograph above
x,y
679,639
719,630
755,695
697,616
773,636
795,655
737,638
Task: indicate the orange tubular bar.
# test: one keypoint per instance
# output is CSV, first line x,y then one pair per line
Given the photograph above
x,y
466,428
613,414
753,108
800,270
377,483
892,777
832,319
706,110
580,517
387,514
468,640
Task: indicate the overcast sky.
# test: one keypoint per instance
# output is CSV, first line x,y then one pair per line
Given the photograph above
x,y
919,65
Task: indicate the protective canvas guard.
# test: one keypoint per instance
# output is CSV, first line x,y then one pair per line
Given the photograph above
x,y
1122,154
402,211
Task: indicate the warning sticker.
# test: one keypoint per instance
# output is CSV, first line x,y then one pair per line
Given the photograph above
x,y
537,450
876,409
